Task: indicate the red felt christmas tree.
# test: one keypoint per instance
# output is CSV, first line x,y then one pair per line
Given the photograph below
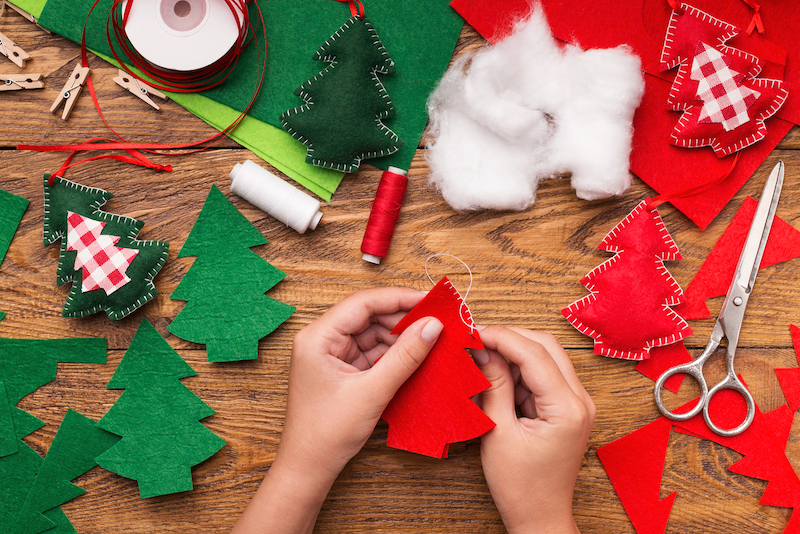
x,y
434,407
629,309
724,104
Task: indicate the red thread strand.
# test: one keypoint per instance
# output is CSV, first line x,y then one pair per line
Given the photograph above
x,y
691,191
385,212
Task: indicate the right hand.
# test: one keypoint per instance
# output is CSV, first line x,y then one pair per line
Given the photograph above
x,y
531,463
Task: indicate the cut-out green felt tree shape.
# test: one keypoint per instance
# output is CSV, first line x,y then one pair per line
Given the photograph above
x,y
341,122
25,365
225,287
158,418
78,442
12,207
110,270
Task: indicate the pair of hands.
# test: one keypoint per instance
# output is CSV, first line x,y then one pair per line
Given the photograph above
x,y
338,391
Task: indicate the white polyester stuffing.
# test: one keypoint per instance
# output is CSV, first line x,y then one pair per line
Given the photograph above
x,y
524,110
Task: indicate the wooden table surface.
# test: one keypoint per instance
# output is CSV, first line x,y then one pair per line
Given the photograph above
x,y
526,267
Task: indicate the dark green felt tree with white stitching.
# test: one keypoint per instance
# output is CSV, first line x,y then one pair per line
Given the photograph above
x,y
110,270
341,122
225,287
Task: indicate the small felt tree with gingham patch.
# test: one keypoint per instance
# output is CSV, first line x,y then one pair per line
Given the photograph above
x,y
341,122
629,309
110,270
724,103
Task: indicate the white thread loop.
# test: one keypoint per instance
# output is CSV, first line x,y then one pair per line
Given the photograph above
x,y
464,306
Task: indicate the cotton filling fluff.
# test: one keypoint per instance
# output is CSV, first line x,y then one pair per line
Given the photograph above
x,y
527,109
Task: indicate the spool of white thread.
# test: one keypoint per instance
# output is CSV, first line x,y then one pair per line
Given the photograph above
x,y
280,199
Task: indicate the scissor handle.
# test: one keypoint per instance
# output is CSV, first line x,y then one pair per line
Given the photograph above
x,y
731,381
693,369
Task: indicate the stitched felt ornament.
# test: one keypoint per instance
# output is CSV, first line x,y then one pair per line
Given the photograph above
x,y
109,269
342,120
157,417
629,309
227,308
434,407
724,104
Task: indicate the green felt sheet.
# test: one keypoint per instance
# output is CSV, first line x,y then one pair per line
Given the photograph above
x,y
11,209
76,445
345,106
157,417
8,437
225,287
65,196
17,475
419,36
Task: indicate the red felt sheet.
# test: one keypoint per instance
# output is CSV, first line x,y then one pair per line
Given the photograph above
x,y
434,407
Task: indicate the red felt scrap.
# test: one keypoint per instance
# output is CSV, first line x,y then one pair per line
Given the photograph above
x,y
790,378
641,27
492,19
715,275
628,310
663,358
434,407
635,464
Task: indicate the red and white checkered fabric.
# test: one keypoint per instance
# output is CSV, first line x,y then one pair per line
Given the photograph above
x,y
725,100
103,264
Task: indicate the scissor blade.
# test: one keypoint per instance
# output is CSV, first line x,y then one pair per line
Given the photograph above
x,y
757,238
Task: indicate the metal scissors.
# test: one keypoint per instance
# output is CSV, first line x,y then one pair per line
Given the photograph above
x,y
729,322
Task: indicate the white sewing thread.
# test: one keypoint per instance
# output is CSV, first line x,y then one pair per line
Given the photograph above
x,y
463,307
275,196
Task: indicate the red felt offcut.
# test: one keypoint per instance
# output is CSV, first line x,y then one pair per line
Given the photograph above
x,y
635,464
715,275
790,378
628,310
641,26
434,407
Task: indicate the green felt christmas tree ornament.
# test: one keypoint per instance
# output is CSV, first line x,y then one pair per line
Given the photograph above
x,y
342,120
157,417
109,269
225,287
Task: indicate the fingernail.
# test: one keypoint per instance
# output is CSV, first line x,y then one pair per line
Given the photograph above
x,y
430,332
480,327
480,356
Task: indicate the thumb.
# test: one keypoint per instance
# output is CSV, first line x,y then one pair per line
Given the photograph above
x,y
498,401
406,355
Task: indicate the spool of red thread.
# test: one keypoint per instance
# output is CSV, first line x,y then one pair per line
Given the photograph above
x,y
384,214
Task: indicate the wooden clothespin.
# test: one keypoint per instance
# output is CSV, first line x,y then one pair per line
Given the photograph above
x,y
69,94
16,82
27,16
9,49
140,89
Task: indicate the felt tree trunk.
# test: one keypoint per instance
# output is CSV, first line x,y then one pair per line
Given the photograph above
x,y
225,288
157,417
341,122
629,309
110,270
434,407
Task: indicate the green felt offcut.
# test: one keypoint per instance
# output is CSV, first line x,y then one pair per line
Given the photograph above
x,y
12,207
157,417
225,287
8,437
421,37
76,445
65,196
342,120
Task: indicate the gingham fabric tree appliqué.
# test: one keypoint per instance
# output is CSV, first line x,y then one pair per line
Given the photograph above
x,y
102,264
723,101
629,310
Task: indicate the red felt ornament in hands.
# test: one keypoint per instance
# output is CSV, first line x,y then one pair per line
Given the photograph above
x,y
628,311
434,407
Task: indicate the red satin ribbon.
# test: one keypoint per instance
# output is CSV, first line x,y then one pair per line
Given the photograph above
x,y
756,21
356,7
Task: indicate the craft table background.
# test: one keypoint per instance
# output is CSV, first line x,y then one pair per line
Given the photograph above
x,y
527,266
